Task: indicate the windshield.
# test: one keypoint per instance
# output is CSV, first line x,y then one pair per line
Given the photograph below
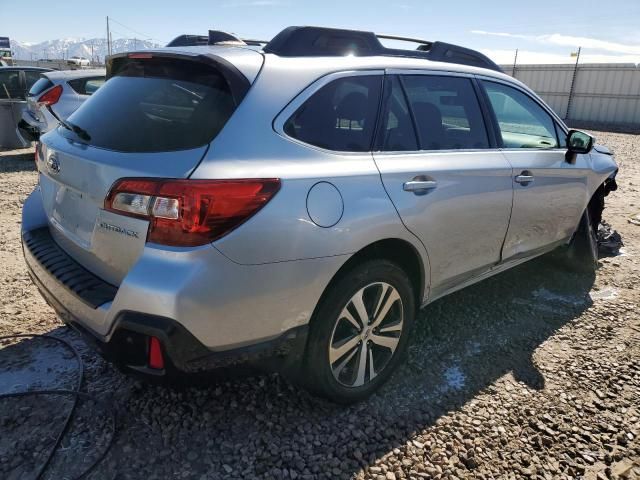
x,y
157,104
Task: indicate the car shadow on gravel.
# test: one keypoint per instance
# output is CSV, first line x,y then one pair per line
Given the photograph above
x,y
17,161
263,426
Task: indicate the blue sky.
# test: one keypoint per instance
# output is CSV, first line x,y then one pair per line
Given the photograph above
x,y
543,30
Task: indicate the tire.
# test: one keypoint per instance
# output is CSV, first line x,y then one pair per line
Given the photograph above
x,y
332,364
582,252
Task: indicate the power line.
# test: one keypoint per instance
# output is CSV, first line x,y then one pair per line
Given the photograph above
x,y
145,37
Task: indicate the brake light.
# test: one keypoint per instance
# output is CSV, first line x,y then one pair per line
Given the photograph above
x,y
140,55
52,96
188,213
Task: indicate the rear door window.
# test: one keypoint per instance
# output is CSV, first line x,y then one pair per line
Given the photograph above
x,y
446,112
154,105
341,116
397,130
86,86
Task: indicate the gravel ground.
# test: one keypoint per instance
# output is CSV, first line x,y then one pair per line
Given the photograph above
x,y
531,374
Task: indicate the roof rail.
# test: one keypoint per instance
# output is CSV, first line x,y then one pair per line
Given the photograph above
x,y
215,37
321,42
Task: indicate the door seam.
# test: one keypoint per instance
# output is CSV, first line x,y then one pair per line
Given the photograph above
x,y
384,187
513,199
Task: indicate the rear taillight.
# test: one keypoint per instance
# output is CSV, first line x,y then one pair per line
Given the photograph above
x,y
52,96
190,212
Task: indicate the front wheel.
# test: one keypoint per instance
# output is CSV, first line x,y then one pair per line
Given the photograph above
x,y
360,332
582,252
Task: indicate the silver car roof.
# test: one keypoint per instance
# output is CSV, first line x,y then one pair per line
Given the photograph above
x,y
249,59
64,75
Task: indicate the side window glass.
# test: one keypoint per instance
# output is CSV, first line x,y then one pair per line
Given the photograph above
x,y
398,134
341,116
77,85
10,85
562,137
446,112
523,123
92,85
31,77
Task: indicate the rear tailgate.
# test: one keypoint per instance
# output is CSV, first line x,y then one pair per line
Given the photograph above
x,y
155,117
75,179
37,89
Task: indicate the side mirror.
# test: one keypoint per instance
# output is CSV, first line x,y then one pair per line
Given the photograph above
x,y
578,143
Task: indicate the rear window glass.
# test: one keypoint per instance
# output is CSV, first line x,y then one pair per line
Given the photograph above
x,y
156,105
86,86
40,86
341,116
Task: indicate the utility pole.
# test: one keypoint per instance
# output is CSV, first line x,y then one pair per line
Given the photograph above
x,y
573,81
108,38
515,61
135,43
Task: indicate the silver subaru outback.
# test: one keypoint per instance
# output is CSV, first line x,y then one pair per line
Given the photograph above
x,y
293,204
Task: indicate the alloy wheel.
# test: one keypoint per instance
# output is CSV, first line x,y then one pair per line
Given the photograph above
x,y
366,334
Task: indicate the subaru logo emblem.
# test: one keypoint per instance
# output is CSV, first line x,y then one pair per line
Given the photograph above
x,y
53,164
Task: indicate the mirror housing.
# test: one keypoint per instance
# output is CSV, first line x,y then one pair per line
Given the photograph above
x,y
578,142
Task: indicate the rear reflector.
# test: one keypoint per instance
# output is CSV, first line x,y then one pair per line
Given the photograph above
x,y
189,213
52,96
156,360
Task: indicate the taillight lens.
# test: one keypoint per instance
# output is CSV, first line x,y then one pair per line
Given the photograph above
x,y
52,96
190,212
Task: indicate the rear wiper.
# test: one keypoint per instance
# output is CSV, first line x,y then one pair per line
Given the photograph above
x,y
81,132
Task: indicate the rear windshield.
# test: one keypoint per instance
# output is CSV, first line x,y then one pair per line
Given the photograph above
x,y
42,84
155,105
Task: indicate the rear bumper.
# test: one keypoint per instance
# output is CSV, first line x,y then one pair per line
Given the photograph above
x,y
207,311
128,344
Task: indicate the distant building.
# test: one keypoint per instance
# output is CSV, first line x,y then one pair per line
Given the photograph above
x,y
6,58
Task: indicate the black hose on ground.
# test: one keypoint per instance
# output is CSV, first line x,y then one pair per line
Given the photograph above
x,y
76,394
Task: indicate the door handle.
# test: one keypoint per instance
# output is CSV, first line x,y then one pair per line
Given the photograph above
x,y
419,186
524,178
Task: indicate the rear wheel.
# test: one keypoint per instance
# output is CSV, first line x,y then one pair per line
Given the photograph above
x,y
359,332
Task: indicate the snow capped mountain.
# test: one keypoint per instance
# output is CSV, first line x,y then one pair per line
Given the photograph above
x,y
76,47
